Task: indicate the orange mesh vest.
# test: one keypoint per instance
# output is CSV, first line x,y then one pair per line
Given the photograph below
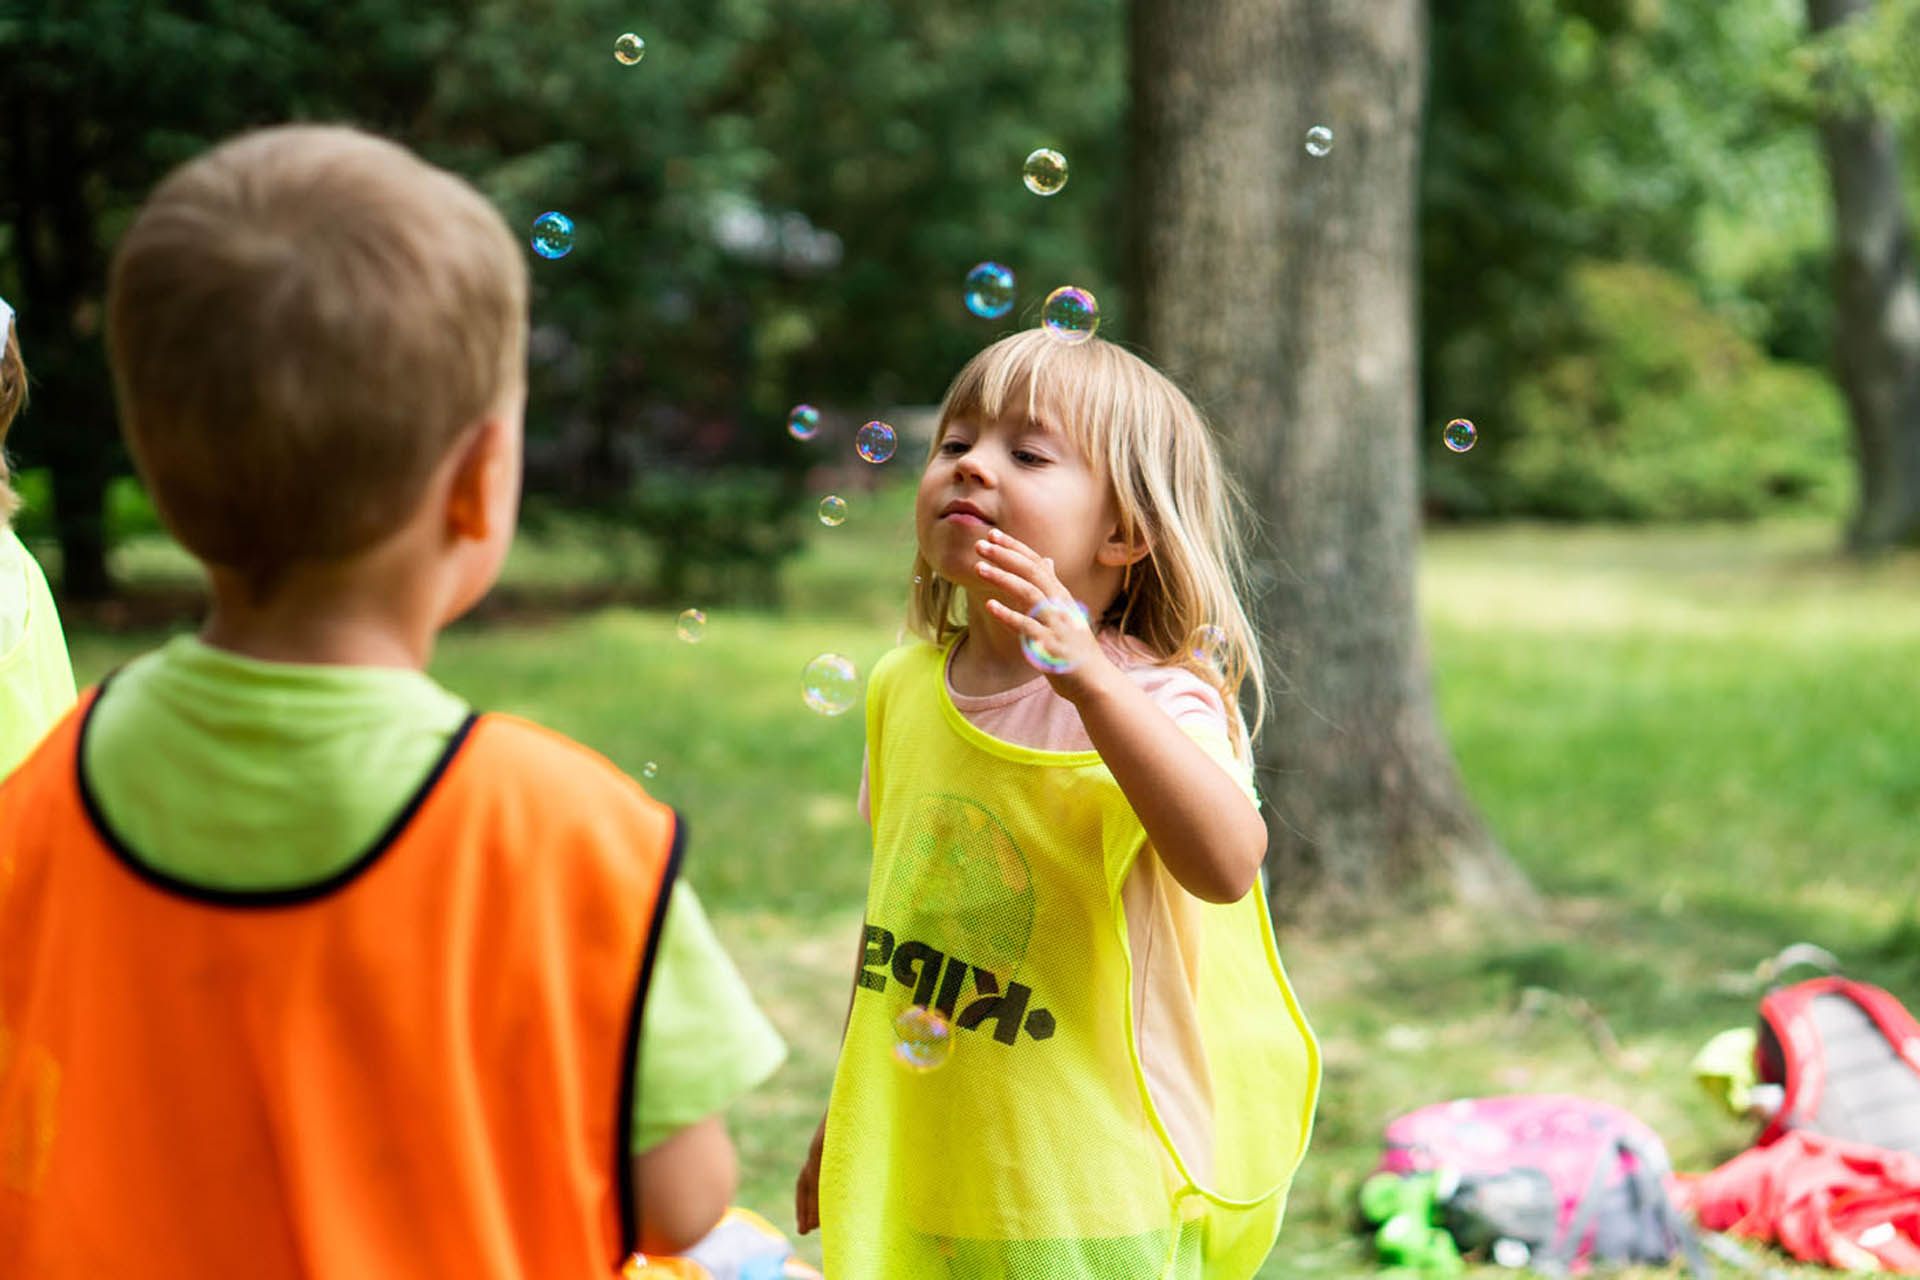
x,y
420,1067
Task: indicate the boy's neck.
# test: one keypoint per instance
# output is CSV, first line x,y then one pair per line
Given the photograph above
x,y
322,617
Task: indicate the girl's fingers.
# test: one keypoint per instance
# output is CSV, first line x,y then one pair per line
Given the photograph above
x,y
1029,592
1016,557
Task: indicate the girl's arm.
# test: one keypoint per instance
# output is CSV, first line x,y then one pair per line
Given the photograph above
x,y
1200,822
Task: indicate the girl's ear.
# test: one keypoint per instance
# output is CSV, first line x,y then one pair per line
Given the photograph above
x,y
1120,550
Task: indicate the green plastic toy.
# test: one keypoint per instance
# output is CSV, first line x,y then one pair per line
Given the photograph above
x,y
1410,1239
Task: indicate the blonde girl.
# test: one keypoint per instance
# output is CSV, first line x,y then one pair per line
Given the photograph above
x,y
1072,1053
36,680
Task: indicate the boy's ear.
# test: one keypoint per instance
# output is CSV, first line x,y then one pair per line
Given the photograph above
x,y
475,471
1119,550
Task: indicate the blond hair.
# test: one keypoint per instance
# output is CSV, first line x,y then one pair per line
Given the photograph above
x,y
1146,439
301,323
13,398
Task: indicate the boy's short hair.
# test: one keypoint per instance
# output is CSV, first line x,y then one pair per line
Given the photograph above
x,y
301,322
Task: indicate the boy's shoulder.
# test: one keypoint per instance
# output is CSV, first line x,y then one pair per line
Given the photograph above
x,y
542,759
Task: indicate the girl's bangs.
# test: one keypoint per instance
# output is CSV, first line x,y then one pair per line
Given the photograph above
x,y
1042,378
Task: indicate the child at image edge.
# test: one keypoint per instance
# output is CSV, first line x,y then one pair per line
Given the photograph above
x,y
1066,866
308,970
36,682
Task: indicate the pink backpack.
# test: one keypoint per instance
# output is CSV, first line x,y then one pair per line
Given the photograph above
x,y
1604,1171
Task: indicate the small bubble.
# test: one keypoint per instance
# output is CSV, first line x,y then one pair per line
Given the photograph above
x,y
1209,646
830,684
989,290
1319,140
553,235
833,510
803,422
1045,172
1460,435
1036,653
917,579
649,769
629,48
1070,314
874,442
922,1038
691,626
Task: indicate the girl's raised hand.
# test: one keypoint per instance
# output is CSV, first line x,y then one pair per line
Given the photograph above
x,y
1027,578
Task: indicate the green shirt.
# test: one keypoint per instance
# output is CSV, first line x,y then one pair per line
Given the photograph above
x,y
36,681
308,765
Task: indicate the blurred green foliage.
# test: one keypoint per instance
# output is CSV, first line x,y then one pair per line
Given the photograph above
x,y
1652,407
780,201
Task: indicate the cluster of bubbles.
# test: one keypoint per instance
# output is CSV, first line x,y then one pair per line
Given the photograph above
x,y
553,234
833,510
1460,435
691,626
989,290
629,49
922,1038
830,684
1038,656
1319,140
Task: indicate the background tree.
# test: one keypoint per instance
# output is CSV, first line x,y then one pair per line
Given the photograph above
x,y
1876,288
1281,287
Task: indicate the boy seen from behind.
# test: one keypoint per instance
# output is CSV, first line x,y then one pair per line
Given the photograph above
x,y
310,970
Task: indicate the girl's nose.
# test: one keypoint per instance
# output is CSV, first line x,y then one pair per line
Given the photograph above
x,y
973,467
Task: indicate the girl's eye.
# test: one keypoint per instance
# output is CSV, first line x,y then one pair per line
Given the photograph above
x,y
1029,457
953,448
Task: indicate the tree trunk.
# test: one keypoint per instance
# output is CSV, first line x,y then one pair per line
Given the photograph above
x,y
70,427
1279,288
1876,312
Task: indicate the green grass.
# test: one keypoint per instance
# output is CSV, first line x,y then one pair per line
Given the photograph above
x,y
1702,744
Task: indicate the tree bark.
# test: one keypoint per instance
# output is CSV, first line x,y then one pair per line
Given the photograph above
x,y
1279,288
1876,312
70,427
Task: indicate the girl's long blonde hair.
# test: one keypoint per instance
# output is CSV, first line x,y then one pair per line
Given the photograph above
x,y
13,397
1149,442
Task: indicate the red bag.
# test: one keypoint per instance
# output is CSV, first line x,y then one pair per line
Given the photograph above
x,y
1824,1200
1847,1055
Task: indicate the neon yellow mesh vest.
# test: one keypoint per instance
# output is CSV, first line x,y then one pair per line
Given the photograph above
x,y
1036,1151
36,680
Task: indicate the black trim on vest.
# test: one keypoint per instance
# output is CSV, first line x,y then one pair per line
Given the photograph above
x,y
623,1153
255,897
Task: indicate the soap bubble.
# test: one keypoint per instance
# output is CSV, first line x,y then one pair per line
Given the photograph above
x,y
691,626
1070,314
829,684
833,509
553,235
874,442
629,48
1460,435
1319,140
649,769
1045,172
1209,645
989,290
922,1038
803,422
1038,655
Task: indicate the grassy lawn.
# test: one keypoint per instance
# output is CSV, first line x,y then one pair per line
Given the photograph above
x,y
1703,744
